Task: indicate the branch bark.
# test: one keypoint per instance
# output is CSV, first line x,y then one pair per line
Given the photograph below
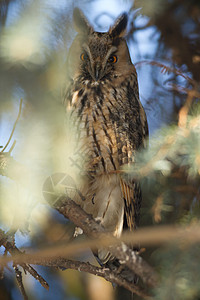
x,y
24,260
95,230
13,250
105,273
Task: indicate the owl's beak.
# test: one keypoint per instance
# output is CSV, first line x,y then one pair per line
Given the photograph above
x,y
97,71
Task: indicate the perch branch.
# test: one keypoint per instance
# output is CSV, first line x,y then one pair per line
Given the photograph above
x,y
60,262
147,236
98,271
122,252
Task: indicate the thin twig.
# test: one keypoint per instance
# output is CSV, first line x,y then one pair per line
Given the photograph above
x,y
35,274
14,126
166,69
2,267
12,147
13,250
181,89
183,113
18,274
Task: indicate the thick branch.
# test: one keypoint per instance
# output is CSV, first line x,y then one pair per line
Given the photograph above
x,y
59,262
102,272
94,230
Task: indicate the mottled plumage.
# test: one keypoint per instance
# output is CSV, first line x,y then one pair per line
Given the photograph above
x,y
102,95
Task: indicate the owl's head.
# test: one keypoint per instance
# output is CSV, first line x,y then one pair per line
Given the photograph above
x,y
97,56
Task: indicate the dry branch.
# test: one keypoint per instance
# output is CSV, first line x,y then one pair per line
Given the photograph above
x,y
94,230
105,273
167,69
151,236
13,250
55,256
23,260
122,252
20,282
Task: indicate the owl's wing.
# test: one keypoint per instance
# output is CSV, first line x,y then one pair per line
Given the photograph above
x,y
132,197
130,189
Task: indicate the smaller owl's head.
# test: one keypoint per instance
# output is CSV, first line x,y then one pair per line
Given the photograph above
x,y
98,56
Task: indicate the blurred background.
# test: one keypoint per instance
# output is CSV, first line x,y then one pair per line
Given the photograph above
x,y
35,35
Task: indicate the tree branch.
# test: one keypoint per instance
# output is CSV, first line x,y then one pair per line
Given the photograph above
x,y
60,262
13,250
94,230
14,127
105,273
20,282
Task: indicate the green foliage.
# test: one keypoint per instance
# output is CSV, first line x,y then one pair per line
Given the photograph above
x,y
169,171
170,167
180,272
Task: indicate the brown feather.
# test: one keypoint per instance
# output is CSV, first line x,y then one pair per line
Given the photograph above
x,y
111,125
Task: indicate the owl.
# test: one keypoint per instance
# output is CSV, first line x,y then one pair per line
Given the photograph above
x,y
102,97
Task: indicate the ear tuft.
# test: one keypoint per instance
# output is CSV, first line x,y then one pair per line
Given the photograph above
x,y
81,23
119,28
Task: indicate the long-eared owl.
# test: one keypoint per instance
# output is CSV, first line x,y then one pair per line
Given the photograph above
x,y
102,95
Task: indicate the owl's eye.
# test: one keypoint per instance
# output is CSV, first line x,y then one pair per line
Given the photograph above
x,y
112,59
83,57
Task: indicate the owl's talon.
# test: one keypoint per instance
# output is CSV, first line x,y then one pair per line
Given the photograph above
x,y
98,220
78,231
